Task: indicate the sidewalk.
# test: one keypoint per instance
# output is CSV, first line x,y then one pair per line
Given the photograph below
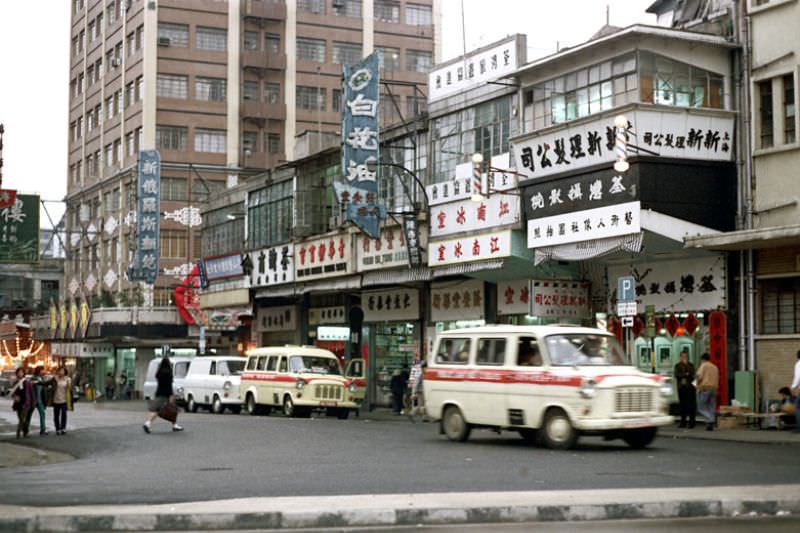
x,y
410,509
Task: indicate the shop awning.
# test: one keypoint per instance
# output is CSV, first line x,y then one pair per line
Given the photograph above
x,y
388,277
468,268
672,227
751,239
282,291
582,251
337,284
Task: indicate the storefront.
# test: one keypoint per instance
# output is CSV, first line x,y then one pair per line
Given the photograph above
x,y
276,326
327,326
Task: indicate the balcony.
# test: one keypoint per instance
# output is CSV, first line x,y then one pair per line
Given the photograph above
x,y
260,60
260,112
260,11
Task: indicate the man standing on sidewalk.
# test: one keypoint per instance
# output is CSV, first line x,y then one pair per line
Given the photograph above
x,y
687,396
707,383
796,391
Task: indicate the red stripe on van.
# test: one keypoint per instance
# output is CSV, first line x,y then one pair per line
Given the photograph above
x,y
282,378
542,377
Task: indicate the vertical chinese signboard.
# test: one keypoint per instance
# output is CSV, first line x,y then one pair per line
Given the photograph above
x,y
145,260
19,230
718,348
360,157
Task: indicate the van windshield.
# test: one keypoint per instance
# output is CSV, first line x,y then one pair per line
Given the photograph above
x,y
583,349
310,364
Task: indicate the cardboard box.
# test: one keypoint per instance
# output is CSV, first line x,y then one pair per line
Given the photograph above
x,y
730,422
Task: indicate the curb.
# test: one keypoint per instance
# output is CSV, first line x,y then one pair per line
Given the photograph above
x,y
409,510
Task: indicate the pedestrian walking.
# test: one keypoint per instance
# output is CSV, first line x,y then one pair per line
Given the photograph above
x,y
796,391
398,388
415,383
109,386
707,383
687,395
22,401
62,400
40,400
163,404
122,391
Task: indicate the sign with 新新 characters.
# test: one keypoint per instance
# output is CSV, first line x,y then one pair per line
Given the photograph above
x,y
387,251
582,192
457,301
513,297
460,187
326,315
496,210
679,134
498,61
390,305
599,223
689,284
273,266
324,257
223,267
144,266
19,230
281,318
560,299
470,248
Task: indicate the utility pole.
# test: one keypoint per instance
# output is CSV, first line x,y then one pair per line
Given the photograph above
x,y
2,131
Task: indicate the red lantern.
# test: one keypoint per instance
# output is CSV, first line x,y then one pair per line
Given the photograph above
x,y
638,325
672,324
690,323
659,326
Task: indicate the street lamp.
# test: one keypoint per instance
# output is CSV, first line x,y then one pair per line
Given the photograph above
x,y
620,148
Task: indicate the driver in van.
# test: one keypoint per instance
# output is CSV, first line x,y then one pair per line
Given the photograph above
x,y
445,351
528,353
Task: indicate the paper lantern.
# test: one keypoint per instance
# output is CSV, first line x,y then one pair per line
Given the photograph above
x,y
638,325
672,324
690,324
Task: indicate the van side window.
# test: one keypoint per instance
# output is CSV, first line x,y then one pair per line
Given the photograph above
x,y
282,365
222,369
213,370
491,352
261,362
272,363
180,370
528,353
251,363
453,351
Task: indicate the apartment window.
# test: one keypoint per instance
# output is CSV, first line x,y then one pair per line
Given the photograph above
x,y
389,58
79,167
129,144
209,141
73,171
178,34
250,40
272,93
81,40
79,128
110,60
109,154
273,143
347,8
80,83
110,14
270,214
89,121
92,32
172,138
311,50
128,94
139,88
210,89
346,53
118,54
90,166
249,142
416,105
310,98
72,135
311,6
139,36
272,43
336,101
107,202
418,15
172,86
98,115
130,43
387,10
418,61
789,115
90,75
667,82
118,151
250,90
213,39
780,306
174,189
99,24
110,107
75,46
173,244
98,70
118,107
388,109
765,113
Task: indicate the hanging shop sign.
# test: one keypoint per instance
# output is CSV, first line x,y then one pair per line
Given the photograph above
x,y
718,350
223,319
513,297
387,251
85,316
73,317
460,187
497,210
63,322
273,266
53,322
283,318
81,349
580,193
681,135
414,238
19,230
475,69
333,333
324,257
457,301
690,284
222,267
144,266
326,315
392,305
560,299
472,248
599,223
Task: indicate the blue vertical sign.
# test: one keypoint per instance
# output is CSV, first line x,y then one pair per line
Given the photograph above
x,y
360,157
145,261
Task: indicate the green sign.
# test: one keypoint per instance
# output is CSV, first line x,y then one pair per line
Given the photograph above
x,y
19,230
650,320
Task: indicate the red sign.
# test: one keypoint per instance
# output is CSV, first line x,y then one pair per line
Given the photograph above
x,y
718,346
7,197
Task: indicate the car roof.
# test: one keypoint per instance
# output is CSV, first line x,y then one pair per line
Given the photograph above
x,y
537,331
294,349
220,358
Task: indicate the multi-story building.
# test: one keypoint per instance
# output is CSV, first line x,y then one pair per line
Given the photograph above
x,y
221,89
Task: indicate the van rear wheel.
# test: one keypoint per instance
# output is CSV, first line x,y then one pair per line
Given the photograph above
x,y
454,425
558,431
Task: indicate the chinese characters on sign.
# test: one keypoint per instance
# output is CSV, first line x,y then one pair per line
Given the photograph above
x,y
323,257
282,318
667,134
326,315
460,187
560,299
145,261
494,211
472,248
273,266
457,301
19,230
390,305
691,284
513,297
415,239
387,251
360,146
223,267
600,223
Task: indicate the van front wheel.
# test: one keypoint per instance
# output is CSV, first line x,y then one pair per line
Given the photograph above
x,y
191,405
558,431
454,425
639,438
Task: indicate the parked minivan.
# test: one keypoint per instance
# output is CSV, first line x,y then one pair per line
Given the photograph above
x,y
549,383
213,382
180,366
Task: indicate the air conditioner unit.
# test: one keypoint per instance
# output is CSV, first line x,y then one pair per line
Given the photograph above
x,y
163,41
116,62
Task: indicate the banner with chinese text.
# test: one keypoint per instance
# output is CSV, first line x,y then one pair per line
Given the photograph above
x,y
145,260
560,299
19,230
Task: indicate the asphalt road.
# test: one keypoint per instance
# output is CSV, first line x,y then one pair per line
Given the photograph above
x,y
231,456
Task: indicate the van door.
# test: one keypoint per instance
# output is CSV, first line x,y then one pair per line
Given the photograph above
x,y
524,391
488,398
356,372
262,385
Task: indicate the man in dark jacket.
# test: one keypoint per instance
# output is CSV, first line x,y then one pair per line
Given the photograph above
x,y
398,387
684,374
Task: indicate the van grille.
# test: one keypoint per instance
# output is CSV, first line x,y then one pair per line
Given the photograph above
x,y
633,400
328,392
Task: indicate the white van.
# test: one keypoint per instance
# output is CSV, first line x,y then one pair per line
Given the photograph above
x,y
180,366
552,383
213,382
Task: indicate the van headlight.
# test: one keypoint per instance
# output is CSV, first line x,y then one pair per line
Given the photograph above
x,y
352,387
227,386
180,391
300,383
588,388
665,387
